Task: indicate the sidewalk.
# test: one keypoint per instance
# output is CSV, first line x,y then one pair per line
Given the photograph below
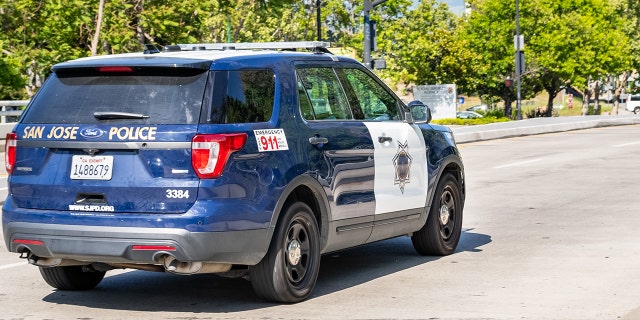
x,y
464,134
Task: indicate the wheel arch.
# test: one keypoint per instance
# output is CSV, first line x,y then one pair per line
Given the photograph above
x,y
306,189
451,164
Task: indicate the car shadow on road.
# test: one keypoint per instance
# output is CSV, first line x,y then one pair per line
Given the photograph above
x,y
208,293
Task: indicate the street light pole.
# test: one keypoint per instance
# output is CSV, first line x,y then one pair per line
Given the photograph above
x,y
519,61
368,6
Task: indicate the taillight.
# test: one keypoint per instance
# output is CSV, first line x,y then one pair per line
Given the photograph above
x,y
115,69
210,152
10,151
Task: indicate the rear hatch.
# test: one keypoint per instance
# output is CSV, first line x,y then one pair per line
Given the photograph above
x,y
111,137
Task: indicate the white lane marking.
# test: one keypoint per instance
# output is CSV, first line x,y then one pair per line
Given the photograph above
x,y
518,163
13,265
625,144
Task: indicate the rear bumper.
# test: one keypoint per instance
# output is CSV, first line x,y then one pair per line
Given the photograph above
x,y
116,244
134,238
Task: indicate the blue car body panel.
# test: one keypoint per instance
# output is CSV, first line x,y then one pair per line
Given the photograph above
x,y
155,196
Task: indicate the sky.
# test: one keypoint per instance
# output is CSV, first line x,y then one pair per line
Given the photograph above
x,y
457,6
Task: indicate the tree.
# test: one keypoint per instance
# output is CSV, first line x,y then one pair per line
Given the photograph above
x,y
420,46
566,41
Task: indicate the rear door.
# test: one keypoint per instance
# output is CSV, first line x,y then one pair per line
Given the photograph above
x,y
110,139
340,153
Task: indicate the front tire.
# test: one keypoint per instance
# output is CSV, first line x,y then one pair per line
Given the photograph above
x,y
289,270
73,278
441,233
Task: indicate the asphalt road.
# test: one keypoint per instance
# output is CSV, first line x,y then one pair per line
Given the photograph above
x,y
550,232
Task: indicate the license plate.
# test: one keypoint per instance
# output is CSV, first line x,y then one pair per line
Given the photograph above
x,y
91,167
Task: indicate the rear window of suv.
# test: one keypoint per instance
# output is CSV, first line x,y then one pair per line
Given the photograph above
x,y
166,96
242,96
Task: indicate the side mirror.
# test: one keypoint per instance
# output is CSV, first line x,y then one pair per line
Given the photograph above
x,y
420,112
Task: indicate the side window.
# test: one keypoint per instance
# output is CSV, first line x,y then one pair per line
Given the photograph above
x,y
375,101
325,93
243,96
305,105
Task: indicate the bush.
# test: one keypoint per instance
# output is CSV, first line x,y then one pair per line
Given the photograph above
x,y
470,122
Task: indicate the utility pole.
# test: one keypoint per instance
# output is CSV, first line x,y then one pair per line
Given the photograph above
x,y
368,6
318,19
519,45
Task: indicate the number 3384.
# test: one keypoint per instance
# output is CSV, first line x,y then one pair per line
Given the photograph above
x,y
177,194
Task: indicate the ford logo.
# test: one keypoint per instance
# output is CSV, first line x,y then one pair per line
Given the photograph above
x,y
92,133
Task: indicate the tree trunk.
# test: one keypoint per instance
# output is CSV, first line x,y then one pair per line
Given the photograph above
x,y
138,8
507,107
596,98
620,83
96,35
552,95
585,100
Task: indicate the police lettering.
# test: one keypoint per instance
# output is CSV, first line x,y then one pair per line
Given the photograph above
x,y
63,133
132,133
32,132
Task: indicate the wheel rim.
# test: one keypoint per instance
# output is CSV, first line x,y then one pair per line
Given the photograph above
x,y
447,213
298,251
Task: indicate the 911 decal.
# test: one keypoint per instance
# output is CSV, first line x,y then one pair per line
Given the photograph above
x,y
271,140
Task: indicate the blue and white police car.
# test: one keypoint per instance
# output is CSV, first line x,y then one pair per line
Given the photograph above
x,y
239,159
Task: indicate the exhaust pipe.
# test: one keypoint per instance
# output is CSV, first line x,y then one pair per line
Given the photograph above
x,y
53,262
172,265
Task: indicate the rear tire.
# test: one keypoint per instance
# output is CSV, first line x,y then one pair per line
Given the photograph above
x,y
289,270
636,110
441,233
71,277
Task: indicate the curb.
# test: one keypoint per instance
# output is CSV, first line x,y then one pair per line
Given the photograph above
x,y
465,134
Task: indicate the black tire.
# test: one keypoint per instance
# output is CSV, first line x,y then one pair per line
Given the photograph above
x,y
71,277
636,111
289,270
441,233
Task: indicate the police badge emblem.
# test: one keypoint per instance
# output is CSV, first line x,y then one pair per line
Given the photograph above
x,y
402,163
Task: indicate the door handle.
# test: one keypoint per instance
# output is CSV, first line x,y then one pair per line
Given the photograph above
x,y
315,140
384,139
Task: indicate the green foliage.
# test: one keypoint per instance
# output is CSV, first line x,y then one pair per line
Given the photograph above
x,y
565,42
469,122
11,82
420,46
423,43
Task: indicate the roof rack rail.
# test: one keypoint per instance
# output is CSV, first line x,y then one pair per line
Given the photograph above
x,y
316,46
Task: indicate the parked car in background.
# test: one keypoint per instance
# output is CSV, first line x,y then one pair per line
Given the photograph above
x,y
480,107
633,103
468,115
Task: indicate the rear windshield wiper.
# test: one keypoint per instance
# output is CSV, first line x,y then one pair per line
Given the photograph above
x,y
118,115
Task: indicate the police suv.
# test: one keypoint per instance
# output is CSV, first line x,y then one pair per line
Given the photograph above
x,y
245,159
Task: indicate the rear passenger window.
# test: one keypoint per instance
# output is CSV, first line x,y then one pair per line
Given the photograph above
x,y
322,88
242,96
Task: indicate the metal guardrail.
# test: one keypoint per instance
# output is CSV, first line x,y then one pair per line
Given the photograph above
x,y
8,109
